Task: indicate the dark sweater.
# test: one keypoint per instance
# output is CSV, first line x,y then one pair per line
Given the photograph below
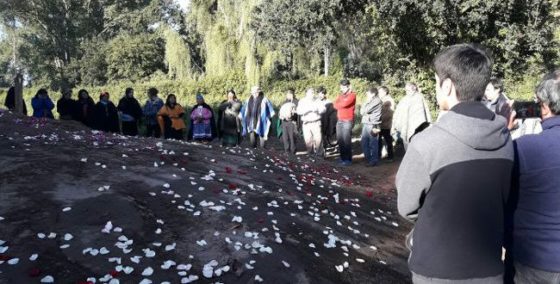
x,y
453,183
536,231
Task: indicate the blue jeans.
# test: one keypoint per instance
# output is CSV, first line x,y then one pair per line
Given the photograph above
x,y
370,144
344,138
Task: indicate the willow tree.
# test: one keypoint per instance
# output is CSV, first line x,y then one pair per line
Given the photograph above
x,y
177,55
229,43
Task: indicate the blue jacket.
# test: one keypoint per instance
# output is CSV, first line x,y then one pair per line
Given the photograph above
x,y
42,107
536,223
151,109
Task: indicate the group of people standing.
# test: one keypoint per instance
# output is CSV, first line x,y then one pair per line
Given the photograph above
x,y
485,207
322,122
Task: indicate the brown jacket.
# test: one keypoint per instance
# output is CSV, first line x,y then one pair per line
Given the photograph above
x,y
175,114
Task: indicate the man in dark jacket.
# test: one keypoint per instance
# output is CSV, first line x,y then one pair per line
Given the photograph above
x,y
536,226
455,178
495,100
10,101
131,112
66,106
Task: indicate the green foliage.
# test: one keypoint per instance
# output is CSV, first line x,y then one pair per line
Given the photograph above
x,y
135,57
177,56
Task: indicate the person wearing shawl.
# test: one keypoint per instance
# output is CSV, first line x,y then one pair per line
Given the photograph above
x,y
256,116
86,108
131,113
203,126
106,116
10,101
170,119
66,106
229,124
412,114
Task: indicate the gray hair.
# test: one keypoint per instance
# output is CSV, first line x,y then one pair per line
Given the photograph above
x,y
548,91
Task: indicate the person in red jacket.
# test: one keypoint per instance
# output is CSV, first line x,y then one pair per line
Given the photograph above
x,y
345,104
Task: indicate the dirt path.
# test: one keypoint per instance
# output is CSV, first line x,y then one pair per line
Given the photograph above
x,y
180,212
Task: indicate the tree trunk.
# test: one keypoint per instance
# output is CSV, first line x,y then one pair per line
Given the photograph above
x,y
327,55
18,87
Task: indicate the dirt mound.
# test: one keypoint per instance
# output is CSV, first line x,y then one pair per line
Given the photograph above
x,y
79,206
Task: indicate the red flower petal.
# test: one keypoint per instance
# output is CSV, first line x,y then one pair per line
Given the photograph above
x,y
34,272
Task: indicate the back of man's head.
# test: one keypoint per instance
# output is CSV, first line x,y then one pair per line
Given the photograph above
x,y
548,91
468,66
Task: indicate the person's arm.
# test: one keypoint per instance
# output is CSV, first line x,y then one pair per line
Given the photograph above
x,y
49,103
321,109
413,182
345,101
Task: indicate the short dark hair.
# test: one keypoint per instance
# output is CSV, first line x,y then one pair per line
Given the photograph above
x,y
321,90
128,91
468,66
42,91
384,88
291,91
153,92
80,92
231,91
345,82
548,91
372,90
497,83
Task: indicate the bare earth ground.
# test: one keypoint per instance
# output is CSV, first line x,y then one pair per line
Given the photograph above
x,y
181,212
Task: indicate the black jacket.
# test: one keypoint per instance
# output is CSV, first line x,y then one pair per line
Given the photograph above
x,y
67,108
106,117
85,111
130,106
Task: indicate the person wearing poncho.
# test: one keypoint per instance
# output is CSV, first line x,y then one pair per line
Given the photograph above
x,y
203,126
229,124
256,116
170,119
412,114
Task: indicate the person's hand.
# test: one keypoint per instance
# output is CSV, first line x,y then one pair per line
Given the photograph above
x,y
513,122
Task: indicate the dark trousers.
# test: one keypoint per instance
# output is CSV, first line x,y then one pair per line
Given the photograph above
x,y
172,133
288,136
153,130
130,128
254,138
385,134
344,138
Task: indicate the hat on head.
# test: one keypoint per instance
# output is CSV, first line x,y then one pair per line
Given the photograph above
x,y
199,97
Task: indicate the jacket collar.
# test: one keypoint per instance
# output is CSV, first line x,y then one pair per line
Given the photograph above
x,y
551,122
